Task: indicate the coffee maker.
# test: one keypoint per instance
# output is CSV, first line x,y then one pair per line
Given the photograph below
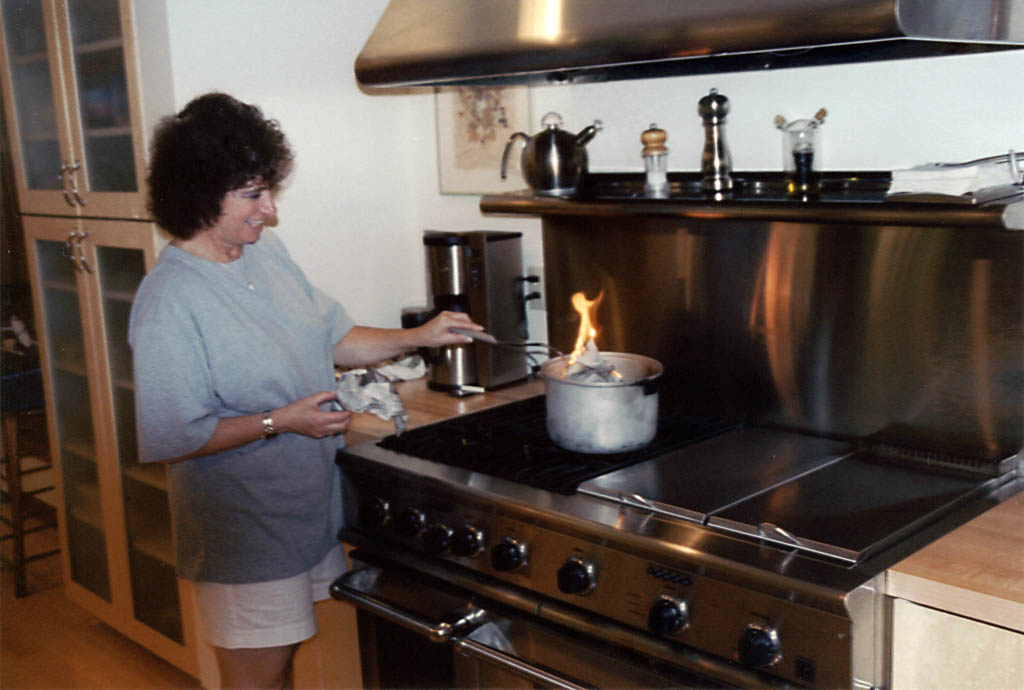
x,y
479,273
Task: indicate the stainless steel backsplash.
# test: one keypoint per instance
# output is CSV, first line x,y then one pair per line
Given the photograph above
x,y
912,335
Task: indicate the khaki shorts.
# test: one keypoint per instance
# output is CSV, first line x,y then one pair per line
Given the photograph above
x,y
267,614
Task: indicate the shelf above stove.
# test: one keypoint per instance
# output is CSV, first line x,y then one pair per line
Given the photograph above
x,y
851,198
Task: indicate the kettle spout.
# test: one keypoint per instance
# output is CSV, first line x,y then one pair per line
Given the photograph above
x,y
587,133
508,151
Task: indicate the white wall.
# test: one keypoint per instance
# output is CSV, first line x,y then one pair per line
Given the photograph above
x,y
366,184
881,116
348,212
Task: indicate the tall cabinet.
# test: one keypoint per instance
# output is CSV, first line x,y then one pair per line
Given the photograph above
x,y
79,119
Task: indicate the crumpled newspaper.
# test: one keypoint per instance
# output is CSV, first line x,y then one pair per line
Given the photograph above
x,y
591,367
372,390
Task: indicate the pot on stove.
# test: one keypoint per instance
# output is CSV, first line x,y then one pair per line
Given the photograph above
x,y
606,416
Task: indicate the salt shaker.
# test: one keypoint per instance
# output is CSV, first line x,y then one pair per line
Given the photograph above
x,y
655,155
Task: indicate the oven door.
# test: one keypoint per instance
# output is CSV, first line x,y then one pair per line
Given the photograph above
x,y
419,631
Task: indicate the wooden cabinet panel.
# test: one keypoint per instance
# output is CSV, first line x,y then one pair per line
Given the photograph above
x,y
79,122
113,512
934,649
75,103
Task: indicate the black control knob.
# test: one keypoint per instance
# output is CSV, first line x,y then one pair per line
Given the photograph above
x,y
467,541
436,539
374,512
576,576
508,555
409,522
668,616
760,646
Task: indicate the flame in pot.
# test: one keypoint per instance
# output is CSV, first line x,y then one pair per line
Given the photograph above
x,y
585,350
587,331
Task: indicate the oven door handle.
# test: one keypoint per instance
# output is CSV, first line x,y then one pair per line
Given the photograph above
x,y
352,586
441,632
492,656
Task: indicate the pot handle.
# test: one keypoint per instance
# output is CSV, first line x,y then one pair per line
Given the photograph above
x,y
651,386
508,150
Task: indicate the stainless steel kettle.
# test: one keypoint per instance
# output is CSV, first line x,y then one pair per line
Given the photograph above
x,y
553,161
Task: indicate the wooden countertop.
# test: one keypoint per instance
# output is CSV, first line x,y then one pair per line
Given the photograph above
x,y
425,406
976,571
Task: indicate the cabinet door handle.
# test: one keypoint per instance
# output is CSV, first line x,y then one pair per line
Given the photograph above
x,y
62,178
71,250
82,236
74,187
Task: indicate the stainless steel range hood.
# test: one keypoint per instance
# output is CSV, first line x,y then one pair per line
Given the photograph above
x,y
439,42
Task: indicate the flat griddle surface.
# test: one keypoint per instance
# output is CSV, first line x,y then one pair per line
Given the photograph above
x,y
819,494
858,505
716,473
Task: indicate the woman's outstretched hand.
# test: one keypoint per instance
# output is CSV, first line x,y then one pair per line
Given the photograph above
x,y
437,331
366,345
305,416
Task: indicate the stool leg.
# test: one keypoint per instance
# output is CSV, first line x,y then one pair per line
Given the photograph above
x,y
12,465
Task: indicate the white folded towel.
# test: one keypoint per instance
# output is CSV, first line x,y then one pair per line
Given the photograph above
x,y
935,178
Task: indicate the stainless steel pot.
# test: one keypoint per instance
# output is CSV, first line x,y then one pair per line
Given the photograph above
x,y
605,417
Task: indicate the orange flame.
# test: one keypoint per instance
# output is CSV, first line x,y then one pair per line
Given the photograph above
x,y
588,328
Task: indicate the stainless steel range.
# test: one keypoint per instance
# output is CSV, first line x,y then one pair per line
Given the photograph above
x,y
839,393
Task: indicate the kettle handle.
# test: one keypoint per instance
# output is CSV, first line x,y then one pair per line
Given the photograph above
x,y
508,150
587,133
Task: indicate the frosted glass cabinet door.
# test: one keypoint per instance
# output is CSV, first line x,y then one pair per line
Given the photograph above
x,y
75,110
101,85
41,142
151,561
61,307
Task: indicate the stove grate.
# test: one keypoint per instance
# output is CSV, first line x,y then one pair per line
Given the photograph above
x,y
511,442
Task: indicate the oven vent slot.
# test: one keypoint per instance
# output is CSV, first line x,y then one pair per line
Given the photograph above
x,y
940,460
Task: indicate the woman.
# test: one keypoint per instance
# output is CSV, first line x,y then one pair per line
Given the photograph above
x,y
234,355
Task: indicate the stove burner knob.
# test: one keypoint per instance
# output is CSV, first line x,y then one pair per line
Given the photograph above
x,y
668,615
467,541
508,555
409,522
760,646
576,576
374,512
436,539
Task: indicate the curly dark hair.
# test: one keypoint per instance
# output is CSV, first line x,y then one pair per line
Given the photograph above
x,y
214,145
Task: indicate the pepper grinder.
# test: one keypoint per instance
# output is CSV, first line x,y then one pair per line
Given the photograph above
x,y
655,155
715,161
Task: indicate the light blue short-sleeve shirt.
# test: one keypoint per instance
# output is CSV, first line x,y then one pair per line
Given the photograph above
x,y
207,346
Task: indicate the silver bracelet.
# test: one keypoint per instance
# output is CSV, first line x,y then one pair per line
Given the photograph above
x,y
268,426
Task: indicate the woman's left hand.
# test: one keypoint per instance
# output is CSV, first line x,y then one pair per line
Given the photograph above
x,y
437,332
305,416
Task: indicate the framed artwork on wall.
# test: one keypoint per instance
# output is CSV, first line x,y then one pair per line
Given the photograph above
x,y
474,124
